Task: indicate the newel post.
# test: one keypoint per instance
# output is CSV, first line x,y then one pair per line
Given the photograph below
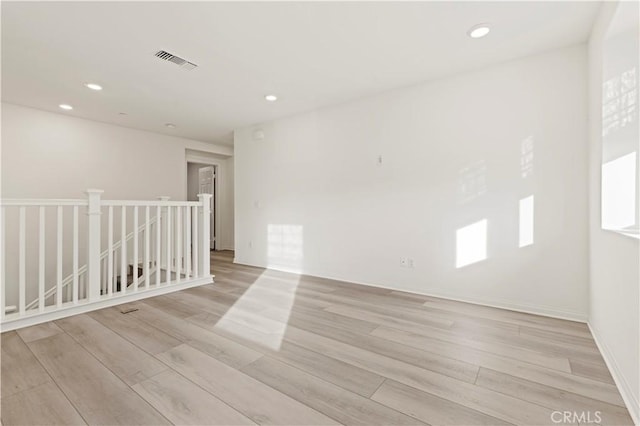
x,y
93,243
205,234
162,220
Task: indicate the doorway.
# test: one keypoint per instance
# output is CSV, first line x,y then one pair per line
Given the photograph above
x,y
201,179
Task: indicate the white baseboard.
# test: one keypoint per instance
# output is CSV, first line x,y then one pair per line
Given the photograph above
x,y
632,401
493,303
502,304
53,313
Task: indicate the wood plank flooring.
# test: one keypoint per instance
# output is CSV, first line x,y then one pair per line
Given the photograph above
x,y
274,348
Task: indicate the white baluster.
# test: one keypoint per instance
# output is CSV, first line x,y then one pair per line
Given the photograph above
x,y
83,286
168,243
146,248
22,262
116,268
3,253
104,283
178,242
158,244
196,239
185,231
187,256
123,250
110,279
75,254
41,260
59,260
135,249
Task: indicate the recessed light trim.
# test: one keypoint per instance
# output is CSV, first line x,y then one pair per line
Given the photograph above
x,y
479,30
66,107
170,125
270,98
93,86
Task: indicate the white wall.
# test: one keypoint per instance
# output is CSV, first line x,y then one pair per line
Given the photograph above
x,y
312,197
227,233
46,155
614,257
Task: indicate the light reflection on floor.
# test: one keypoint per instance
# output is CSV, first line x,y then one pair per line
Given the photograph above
x,y
244,319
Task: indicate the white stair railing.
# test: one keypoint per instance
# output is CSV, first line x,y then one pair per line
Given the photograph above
x,y
82,270
169,251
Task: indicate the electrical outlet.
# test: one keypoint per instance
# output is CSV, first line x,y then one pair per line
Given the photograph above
x,y
250,244
406,262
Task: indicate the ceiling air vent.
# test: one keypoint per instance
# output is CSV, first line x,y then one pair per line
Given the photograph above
x,y
182,63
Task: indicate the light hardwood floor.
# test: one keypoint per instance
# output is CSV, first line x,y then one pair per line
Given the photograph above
x,y
268,347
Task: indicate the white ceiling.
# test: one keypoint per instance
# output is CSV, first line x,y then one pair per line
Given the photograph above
x,y
309,54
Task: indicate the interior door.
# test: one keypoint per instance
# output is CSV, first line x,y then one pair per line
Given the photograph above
x,y
207,179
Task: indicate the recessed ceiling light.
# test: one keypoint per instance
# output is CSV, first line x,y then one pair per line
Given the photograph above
x,y
479,31
271,98
122,113
93,86
65,106
170,125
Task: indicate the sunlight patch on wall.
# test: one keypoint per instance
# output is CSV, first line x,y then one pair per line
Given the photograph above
x,y
526,221
619,101
619,192
526,157
285,247
472,181
471,243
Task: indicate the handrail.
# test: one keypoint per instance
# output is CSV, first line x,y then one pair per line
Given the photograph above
x,y
26,202
131,203
72,202
69,279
